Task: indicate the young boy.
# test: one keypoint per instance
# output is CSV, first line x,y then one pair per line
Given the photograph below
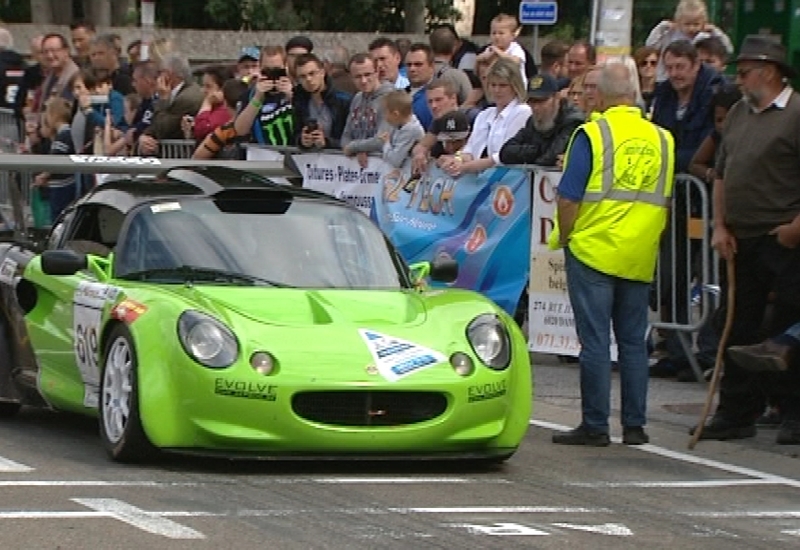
x,y
60,187
406,129
504,31
452,131
115,141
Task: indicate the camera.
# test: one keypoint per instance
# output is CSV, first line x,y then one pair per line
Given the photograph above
x,y
274,73
312,125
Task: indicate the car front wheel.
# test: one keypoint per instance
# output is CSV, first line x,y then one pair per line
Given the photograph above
x,y
120,425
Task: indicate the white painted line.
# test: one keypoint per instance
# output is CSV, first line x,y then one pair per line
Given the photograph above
x,y
501,530
388,480
91,483
612,529
793,532
676,484
498,510
141,519
9,466
691,459
770,514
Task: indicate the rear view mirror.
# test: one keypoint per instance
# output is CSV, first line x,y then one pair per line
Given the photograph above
x,y
444,270
63,262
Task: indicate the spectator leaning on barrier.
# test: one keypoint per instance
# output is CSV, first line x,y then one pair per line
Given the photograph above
x,y
213,112
267,114
116,142
366,119
405,130
12,76
178,95
443,45
452,132
60,187
387,60
546,134
497,124
419,61
442,100
60,69
105,58
223,142
145,76
82,34
611,210
757,222
321,110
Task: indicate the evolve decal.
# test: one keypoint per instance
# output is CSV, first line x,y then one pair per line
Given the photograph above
x,y
485,392
396,358
88,302
8,271
128,311
245,390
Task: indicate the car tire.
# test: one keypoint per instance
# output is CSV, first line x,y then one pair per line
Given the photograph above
x,y
7,408
120,425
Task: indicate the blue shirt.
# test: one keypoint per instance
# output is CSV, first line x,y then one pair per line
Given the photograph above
x,y
578,169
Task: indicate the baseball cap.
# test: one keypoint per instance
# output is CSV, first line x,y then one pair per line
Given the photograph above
x,y
250,52
300,41
453,125
542,86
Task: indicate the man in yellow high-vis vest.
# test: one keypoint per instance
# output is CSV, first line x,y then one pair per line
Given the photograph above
x,y
613,202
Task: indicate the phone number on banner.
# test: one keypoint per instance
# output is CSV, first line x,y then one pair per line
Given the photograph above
x,y
557,343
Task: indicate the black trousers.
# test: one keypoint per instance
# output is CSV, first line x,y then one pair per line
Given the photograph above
x,y
762,265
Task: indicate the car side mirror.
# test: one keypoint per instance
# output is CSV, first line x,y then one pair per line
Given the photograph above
x,y
444,270
63,262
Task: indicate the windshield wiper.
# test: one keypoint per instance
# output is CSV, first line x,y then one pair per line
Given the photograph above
x,y
190,274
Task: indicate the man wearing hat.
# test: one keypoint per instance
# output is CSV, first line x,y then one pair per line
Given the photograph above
x,y
247,64
546,134
757,224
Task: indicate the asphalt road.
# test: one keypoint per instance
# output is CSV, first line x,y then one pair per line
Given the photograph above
x,y
58,490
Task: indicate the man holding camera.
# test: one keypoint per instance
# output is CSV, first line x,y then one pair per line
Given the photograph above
x,y
268,115
320,109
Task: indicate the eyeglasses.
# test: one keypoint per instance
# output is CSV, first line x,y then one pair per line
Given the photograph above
x,y
649,63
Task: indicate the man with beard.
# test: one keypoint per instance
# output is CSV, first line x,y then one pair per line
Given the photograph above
x,y
320,109
547,133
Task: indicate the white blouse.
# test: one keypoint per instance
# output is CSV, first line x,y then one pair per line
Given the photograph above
x,y
492,130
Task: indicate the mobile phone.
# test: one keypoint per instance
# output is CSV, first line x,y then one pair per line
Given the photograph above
x,y
312,124
273,73
98,99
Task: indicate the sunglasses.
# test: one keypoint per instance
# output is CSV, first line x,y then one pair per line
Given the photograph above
x,y
649,62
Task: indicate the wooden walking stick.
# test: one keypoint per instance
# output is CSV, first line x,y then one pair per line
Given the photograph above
x,y
723,342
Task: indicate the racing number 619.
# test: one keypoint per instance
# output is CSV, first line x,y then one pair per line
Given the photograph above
x,y
86,344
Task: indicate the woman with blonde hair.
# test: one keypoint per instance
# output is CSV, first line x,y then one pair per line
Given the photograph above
x,y
494,125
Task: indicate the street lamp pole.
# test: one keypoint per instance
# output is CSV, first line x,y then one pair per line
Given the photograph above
x,y
148,25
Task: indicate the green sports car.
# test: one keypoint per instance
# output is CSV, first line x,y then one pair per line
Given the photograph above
x,y
213,311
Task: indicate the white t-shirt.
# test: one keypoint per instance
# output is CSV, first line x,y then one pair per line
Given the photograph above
x,y
492,130
517,51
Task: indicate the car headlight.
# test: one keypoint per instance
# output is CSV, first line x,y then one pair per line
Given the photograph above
x,y
206,340
489,340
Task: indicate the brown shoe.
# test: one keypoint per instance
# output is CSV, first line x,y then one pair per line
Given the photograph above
x,y
764,357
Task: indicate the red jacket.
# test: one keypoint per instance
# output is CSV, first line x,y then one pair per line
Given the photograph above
x,y
208,121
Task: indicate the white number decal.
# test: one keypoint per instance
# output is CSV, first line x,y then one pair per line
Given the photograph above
x,y
87,314
11,94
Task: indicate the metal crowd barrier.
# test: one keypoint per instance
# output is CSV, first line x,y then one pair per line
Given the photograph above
x,y
176,148
687,267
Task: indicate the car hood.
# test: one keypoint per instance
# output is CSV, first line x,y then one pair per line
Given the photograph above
x,y
301,307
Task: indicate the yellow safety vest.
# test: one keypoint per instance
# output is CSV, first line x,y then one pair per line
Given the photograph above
x,y
624,209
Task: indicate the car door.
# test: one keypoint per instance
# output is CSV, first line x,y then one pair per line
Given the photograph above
x,y
65,326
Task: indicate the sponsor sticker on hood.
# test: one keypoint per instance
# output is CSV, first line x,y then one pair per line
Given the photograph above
x,y
396,358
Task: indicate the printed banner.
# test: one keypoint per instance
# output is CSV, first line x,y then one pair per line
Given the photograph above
x,y
551,324
480,220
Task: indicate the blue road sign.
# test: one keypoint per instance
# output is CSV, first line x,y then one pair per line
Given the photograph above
x,y
532,12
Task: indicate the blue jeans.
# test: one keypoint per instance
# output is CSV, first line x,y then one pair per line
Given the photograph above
x,y
597,300
59,198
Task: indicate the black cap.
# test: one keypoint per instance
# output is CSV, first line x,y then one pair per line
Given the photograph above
x,y
542,86
300,41
453,125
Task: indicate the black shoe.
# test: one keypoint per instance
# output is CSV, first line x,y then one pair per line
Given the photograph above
x,y
581,436
789,433
723,429
634,435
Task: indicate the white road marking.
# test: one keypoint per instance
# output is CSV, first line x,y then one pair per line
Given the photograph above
x,y
612,529
388,480
683,457
676,484
91,483
793,532
499,510
141,519
501,530
756,514
9,466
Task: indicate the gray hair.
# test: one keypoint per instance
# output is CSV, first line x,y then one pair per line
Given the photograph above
x,y
106,40
6,39
507,70
337,56
615,82
633,72
177,64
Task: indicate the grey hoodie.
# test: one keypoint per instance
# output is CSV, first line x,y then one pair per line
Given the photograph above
x,y
366,121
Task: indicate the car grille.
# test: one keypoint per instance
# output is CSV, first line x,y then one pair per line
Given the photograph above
x,y
369,408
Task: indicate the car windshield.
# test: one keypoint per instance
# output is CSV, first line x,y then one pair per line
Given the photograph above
x,y
263,241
